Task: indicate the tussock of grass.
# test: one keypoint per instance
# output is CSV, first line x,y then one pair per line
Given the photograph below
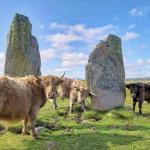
x,y
55,125
73,116
91,115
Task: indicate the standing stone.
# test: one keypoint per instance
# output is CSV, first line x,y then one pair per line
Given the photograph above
x,y
22,55
105,74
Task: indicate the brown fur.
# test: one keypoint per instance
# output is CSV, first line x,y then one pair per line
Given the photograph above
x,y
75,90
79,92
21,98
65,88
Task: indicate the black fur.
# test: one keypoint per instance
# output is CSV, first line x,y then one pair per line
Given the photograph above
x,y
139,92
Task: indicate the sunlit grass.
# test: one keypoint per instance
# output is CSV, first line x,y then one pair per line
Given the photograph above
x,y
117,129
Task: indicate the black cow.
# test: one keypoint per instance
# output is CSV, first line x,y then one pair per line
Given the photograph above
x,y
139,93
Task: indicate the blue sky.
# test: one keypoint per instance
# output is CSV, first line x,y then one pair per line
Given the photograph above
x,y
68,30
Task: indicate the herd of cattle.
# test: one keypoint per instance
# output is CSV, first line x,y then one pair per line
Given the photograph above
x,y
22,98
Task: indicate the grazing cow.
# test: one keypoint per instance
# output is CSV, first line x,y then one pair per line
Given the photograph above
x,y
63,91
65,88
78,94
139,93
76,91
22,98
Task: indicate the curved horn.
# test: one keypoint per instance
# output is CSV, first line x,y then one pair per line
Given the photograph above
x,y
92,94
63,75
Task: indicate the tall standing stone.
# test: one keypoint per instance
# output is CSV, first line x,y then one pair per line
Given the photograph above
x,y
22,55
105,74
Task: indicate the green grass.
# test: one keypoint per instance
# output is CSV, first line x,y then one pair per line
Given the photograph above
x,y
117,129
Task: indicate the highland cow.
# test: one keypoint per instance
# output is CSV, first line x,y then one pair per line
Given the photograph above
x,y
22,98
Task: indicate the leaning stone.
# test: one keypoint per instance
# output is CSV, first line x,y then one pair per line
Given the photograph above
x,y
105,74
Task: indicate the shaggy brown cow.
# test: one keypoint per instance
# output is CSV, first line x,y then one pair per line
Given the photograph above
x,y
21,98
76,91
65,88
139,93
79,92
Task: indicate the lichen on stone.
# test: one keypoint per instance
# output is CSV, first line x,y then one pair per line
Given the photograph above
x,y
19,54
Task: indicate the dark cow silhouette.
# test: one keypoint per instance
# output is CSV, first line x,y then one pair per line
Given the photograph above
x,y
139,93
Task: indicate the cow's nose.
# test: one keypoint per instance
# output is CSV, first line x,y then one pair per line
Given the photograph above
x,y
51,95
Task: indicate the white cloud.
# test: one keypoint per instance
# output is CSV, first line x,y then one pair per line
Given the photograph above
x,y
78,32
131,26
148,61
136,12
42,26
141,68
141,11
62,69
63,38
129,36
61,47
140,61
73,59
47,54
56,25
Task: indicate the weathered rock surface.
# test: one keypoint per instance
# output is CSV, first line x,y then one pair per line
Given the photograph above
x,y
105,74
22,55
39,130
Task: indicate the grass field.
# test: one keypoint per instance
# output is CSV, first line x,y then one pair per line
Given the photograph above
x,y
118,129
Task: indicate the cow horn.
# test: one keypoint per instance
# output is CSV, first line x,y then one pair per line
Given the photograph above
x,y
92,94
63,75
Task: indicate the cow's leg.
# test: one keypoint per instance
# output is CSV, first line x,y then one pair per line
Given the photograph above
x,y
140,106
53,102
82,105
32,118
134,104
71,106
62,98
25,128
